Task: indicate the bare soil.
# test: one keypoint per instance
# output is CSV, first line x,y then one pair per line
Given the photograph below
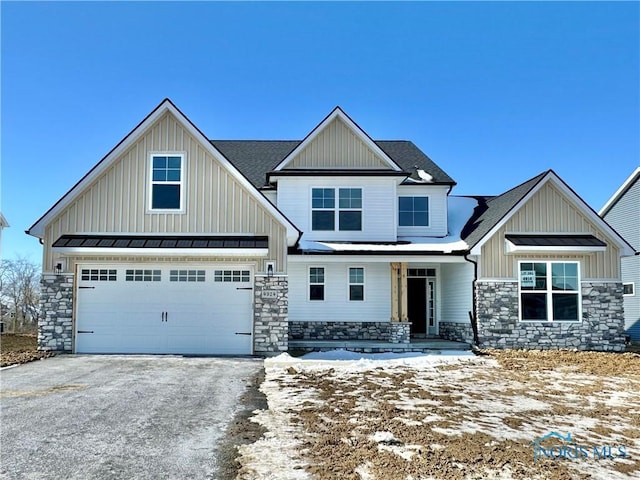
x,y
467,420
16,349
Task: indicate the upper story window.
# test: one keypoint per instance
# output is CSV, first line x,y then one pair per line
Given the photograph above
x,y
549,291
167,182
413,211
348,211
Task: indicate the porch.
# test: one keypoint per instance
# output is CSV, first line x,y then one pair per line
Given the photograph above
x,y
378,346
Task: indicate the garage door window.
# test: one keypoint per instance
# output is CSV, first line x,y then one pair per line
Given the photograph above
x,y
143,276
186,276
231,276
99,275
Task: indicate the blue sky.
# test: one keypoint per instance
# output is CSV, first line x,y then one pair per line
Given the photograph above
x,y
494,93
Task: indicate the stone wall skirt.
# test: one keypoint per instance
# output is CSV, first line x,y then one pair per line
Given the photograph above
x,y
601,328
55,329
270,315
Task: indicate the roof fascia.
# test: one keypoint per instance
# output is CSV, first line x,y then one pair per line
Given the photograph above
x,y
339,113
620,192
551,176
37,230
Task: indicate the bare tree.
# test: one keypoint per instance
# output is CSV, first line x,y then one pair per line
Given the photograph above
x,y
20,294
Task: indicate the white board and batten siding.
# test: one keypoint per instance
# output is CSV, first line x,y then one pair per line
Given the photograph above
x,y
549,210
456,285
379,217
336,306
215,202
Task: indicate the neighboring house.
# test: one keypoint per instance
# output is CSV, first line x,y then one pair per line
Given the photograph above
x,y
622,212
174,243
3,224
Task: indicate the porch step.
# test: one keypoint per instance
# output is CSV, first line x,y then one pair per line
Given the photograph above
x,y
367,346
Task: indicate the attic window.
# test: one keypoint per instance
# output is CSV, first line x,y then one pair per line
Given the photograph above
x,y
167,182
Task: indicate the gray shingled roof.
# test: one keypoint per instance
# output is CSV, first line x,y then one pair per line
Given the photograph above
x,y
255,158
491,210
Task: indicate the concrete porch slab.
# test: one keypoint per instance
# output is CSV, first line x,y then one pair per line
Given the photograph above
x,y
366,346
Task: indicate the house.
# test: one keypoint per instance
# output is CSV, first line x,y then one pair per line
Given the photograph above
x,y
3,224
622,212
174,243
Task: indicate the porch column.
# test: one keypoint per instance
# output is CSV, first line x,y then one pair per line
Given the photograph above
x,y
404,313
395,268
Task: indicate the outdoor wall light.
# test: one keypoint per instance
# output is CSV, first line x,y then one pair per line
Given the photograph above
x,y
270,268
58,269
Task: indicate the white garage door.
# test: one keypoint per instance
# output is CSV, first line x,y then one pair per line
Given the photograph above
x,y
164,309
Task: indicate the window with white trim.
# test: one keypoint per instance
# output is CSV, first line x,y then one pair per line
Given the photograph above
x,y
316,283
413,211
167,182
628,289
549,291
348,211
356,284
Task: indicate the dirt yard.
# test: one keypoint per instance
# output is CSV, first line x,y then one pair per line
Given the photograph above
x,y
16,349
448,417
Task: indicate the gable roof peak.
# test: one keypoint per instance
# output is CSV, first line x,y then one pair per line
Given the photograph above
x,y
351,125
626,185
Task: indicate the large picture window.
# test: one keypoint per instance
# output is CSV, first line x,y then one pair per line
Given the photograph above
x,y
413,211
549,291
166,182
348,209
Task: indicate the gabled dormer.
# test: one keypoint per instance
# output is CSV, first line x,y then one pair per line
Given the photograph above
x,y
337,143
339,184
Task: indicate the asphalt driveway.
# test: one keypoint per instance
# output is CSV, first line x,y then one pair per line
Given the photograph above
x,y
119,417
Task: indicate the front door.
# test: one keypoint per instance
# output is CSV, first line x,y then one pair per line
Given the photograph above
x,y
421,300
417,306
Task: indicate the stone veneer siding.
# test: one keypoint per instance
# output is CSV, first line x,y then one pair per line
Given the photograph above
x,y
459,332
400,332
374,331
602,326
270,315
55,330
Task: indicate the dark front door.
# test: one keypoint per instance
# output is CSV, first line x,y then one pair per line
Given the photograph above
x,y
417,305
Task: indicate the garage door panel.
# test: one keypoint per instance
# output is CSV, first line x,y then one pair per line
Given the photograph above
x,y
160,309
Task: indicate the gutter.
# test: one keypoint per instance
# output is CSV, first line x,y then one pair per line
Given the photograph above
x,y
473,315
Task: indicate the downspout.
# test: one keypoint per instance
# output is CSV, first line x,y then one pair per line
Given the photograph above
x,y
474,313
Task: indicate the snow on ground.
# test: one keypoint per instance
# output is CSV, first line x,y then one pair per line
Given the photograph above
x,y
455,415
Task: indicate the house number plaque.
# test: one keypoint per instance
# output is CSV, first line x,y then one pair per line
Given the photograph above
x,y
269,294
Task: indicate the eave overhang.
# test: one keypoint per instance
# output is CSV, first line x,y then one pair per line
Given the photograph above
x,y
156,245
